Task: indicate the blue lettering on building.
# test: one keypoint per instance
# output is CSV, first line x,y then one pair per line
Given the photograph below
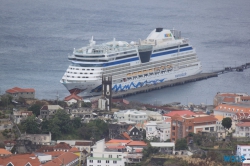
x,y
234,159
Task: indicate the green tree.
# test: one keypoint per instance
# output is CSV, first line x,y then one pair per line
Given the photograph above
x,y
35,108
30,125
95,129
76,122
181,144
6,100
227,123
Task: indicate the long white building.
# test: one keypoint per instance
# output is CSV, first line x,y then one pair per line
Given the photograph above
x,y
101,157
131,115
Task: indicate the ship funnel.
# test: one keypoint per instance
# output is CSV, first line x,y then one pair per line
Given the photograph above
x,y
91,41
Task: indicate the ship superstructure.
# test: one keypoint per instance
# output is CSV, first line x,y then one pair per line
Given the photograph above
x,y
162,56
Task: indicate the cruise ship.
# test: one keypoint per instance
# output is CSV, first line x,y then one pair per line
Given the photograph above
x,y
163,56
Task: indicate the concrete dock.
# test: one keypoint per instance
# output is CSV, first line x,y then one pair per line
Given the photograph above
x,y
179,81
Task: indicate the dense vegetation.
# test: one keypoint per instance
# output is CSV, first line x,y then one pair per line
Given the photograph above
x,y
62,127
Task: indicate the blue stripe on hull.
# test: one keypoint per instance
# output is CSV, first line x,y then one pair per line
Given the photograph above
x,y
134,85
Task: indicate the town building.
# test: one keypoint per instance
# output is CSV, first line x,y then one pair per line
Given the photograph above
x,y
164,147
62,146
242,129
132,150
79,144
72,99
243,150
9,145
230,110
116,129
41,139
130,115
160,130
48,111
230,98
152,115
102,157
17,92
20,159
242,116
4,152
182,125
19,116
67,159
178,112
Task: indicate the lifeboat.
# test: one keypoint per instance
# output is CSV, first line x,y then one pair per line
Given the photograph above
x,y
134,74
145,71
163,68
151,70
129,75
157,69
140,73
169,67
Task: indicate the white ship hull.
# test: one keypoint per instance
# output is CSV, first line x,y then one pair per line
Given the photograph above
x,y
88,88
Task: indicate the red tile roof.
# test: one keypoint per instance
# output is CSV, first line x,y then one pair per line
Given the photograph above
x,y
20,159
119,141
65,159
72,96
243,124
129,127
245,97
46,148
181,113
4,152
62,145
83,143
55,153
126,136
74,149
18,90
136,143
229,99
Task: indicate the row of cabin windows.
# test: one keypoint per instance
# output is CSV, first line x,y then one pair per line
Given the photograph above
x,y
79,73
77,77
79,69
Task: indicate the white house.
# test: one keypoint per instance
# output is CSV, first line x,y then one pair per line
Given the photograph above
x,y
242,129
79,144
101,157
73,98
131,115
158,129
243,150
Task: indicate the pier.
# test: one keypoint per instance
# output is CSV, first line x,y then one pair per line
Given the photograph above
x,y
179,81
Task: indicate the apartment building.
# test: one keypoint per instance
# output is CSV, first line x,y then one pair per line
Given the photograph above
x,y
242,129
182,125
159,130
17,92
100,156
48,111
231,110
243,150
229,98
131,115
